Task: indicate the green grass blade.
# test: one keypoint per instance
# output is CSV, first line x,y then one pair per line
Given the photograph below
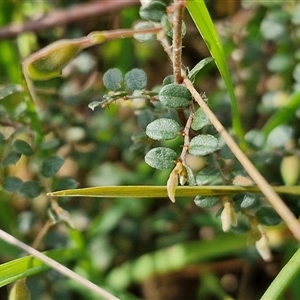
x,y
145,191
175,258
284,277
282,115
204,23
29,265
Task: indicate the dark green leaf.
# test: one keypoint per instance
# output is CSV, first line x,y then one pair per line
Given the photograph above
x,y
143,37
207,175
200,120
112,79
30,189
175,95
65,184
145,117
267,216
51,165
279,136
136,79
11,159
199,66
49,144
203,145
153,12
168,80
22,147
161,158
12,183
249,201
163,129
206,201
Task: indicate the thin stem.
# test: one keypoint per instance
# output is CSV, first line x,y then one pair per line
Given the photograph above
x,y
264,186
177,40
55,265
98,37
186,136
277,203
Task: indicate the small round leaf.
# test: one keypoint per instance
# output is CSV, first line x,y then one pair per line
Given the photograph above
x,y
51,165
206,201
112,79
200,120
175,95
267,216
22,147
248,201
11,159
163,129
30,189
203,144
12,183
207,175
136,79
145,117
161,158
143,37
153,12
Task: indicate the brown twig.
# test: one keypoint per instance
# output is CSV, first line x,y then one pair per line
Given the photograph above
x,y
65,16
177,40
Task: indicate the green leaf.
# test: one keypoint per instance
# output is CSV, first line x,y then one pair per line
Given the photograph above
x,y
206,201
112,79
284,279
66,183
245,200
267,216
204,23
207,175
199,66
168,80
30,189
203,144
279,136
12,183
163,129
51,165
22,147
161,191
153,12
28,265
200,120
175,95
161,158
145,117
136,79
143,37
11,159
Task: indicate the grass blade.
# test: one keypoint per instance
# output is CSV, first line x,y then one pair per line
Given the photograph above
x,y
161,191
204,23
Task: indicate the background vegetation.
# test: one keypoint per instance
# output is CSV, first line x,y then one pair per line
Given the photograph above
x,y
146,248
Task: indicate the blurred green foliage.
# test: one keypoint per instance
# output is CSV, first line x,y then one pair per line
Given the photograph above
x,y
83,147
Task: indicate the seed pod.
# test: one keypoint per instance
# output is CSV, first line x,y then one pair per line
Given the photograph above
x,y
49,61
19,291
290,169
